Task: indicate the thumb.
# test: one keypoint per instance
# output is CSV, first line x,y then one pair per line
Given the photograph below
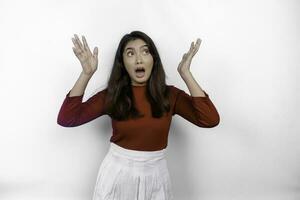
x,y
95,52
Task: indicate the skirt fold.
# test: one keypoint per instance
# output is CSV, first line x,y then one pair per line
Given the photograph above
x,y
133,175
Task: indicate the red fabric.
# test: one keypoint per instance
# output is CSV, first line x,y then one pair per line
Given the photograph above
x,y
147,133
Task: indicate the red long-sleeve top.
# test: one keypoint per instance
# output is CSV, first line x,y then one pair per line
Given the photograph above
x,y
146,133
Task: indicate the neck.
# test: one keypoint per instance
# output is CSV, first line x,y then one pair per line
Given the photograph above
x,y
139,85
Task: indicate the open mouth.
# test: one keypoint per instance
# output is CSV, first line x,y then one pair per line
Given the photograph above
x,y
140,72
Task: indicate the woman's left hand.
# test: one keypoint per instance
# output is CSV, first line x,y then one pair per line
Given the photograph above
x,y
184,65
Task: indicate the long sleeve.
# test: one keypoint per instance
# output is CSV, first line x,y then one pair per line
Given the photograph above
x,y
74,112
197,110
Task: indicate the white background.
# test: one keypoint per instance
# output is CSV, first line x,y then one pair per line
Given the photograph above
x,y
248,63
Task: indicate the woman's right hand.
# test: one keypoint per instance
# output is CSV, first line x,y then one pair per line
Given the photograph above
x,y
89,61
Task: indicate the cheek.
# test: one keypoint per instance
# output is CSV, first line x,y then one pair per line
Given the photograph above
x,y
128,62
149,60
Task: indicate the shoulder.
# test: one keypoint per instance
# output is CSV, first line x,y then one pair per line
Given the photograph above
x,y
174,92
173,89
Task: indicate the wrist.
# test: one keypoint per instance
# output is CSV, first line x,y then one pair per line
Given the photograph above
x,y
185,74
86,75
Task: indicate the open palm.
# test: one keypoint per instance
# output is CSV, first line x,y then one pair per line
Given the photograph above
x,y
88,60
184,65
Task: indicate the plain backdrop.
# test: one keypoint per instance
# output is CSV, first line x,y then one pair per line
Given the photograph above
x,y
248,63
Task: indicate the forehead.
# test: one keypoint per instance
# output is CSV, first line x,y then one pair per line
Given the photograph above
x,y
135,44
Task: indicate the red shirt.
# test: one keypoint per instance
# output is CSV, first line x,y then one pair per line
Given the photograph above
x,y
146,133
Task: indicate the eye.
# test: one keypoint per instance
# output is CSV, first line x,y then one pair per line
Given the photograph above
x,y
146,50
129,52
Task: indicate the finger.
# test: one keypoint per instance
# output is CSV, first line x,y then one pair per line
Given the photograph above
x,y
95,52
86,46
194,52
75,43
76,51
191,50
199,41
192,46
197,46
77,47
78,42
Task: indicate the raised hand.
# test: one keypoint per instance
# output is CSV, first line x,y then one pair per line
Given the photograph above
x,y
88,61
184,65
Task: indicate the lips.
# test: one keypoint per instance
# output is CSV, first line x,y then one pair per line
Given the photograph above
x,y
140,69
140,72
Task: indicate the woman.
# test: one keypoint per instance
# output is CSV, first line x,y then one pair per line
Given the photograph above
x,y
141,107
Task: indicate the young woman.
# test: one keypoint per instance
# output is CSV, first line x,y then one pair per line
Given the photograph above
x,y
141,107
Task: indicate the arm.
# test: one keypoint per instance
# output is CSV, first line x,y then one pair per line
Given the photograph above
x,y
193,86
80,85
89,63
198,110
74,112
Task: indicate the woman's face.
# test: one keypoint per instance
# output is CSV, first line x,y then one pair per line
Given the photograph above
x,y
136,55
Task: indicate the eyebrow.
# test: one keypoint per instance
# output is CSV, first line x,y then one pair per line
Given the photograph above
x,y
140,47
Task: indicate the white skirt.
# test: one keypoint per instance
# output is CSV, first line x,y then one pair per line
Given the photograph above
x,y
126,174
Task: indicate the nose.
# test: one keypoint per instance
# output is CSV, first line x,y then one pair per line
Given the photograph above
x,y
138,59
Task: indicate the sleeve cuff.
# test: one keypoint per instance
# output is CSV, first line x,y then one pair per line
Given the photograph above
x,y
74,97
199,97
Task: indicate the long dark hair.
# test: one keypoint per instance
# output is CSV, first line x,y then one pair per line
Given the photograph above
x,y
119,98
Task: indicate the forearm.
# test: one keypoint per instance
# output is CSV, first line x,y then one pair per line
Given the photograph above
x,y
80,85
193,86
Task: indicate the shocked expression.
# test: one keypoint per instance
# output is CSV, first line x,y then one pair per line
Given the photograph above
x,y
138,61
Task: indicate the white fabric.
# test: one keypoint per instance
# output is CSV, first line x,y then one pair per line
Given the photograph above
x,y
126,174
